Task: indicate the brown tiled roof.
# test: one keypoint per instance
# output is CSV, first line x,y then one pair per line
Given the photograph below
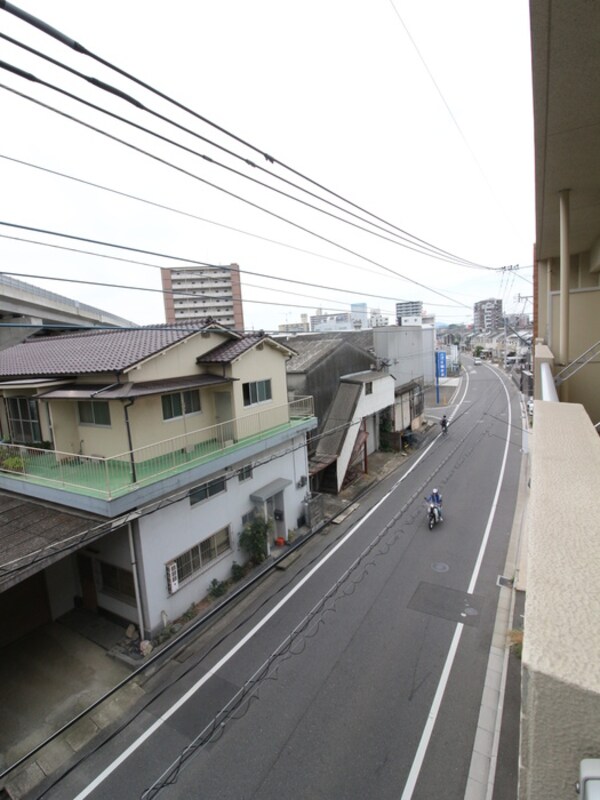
x,y
228,351
84,352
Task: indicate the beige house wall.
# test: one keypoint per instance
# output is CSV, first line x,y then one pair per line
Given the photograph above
x,y
258,365
177,361
561,654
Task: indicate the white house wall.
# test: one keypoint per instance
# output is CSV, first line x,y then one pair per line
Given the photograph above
x,y
173,530
368,405
402,418
408,351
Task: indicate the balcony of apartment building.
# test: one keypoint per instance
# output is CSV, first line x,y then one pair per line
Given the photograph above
x,y
118,483
559,573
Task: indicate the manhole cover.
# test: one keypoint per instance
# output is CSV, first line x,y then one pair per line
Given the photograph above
x,y
470,611
439,566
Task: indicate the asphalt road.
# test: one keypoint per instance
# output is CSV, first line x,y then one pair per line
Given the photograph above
x,y
359,671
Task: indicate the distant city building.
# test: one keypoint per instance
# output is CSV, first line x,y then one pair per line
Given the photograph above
x,y
197,293
296,327
342,321
360,316
354,320
377,319
487,315
409,312
428,319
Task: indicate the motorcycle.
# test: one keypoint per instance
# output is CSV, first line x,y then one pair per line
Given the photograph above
x,y
434,514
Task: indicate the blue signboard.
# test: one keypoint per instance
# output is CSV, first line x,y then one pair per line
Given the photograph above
x,y
440,364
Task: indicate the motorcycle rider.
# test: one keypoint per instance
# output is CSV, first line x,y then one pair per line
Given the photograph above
x,y
444,424
435,498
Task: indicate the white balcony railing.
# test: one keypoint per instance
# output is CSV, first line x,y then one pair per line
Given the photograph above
x,y
117,475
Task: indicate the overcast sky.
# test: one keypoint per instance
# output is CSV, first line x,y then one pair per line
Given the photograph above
x,y
418,112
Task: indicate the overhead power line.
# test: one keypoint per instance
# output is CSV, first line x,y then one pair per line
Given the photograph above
x,y
79,48
419,245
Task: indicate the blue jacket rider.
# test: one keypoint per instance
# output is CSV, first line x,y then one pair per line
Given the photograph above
x,y
436,498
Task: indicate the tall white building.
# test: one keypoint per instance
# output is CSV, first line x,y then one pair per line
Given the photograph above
x,y
409,312
487,315
201,292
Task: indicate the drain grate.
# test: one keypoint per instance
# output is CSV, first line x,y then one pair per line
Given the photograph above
x,y
507,582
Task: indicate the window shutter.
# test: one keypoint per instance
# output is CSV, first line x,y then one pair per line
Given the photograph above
x,y
172,579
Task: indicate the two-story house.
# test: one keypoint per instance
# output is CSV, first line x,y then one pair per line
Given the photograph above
x,y
150,448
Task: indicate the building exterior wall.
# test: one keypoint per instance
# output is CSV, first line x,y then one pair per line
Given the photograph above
x,y
584,331
164,535
561,654
195,293
487,315
409,352
412,309
369,405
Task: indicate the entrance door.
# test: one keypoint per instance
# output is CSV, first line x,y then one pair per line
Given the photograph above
x,y
223,414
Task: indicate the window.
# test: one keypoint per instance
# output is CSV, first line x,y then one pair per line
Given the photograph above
x,y
248,517
256,392
23,420
94,412
245,473
180,403
369,387
117,581
197,558
206,490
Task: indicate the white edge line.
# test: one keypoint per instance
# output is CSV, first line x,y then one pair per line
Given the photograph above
x,y
229,655
419,758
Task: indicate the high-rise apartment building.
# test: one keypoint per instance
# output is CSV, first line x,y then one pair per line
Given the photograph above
x,y
487,315
409,312
196,293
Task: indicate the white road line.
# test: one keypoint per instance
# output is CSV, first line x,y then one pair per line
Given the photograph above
x,y
419,758
229,655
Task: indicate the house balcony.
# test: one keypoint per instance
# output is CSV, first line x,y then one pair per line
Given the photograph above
x,y
78,480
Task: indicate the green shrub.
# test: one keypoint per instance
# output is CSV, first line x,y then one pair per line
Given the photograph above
x,y
253,539
237,571
13,464
217,588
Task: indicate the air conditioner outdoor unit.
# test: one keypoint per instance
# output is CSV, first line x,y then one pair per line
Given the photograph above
x,y
172,578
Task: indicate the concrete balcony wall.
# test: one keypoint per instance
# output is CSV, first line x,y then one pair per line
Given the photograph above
x,y
561,655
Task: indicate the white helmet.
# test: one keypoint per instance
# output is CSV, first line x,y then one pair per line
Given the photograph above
x,y
435,491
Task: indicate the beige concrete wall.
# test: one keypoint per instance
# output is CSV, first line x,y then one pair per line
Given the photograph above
x,y
584,331
258,365
561,655
178,360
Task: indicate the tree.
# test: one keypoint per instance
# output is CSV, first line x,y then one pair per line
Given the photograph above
x,y
253,538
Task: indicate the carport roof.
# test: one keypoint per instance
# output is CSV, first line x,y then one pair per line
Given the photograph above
x,y
34,535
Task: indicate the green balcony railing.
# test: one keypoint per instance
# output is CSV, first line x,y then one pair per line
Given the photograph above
x,y
119,474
